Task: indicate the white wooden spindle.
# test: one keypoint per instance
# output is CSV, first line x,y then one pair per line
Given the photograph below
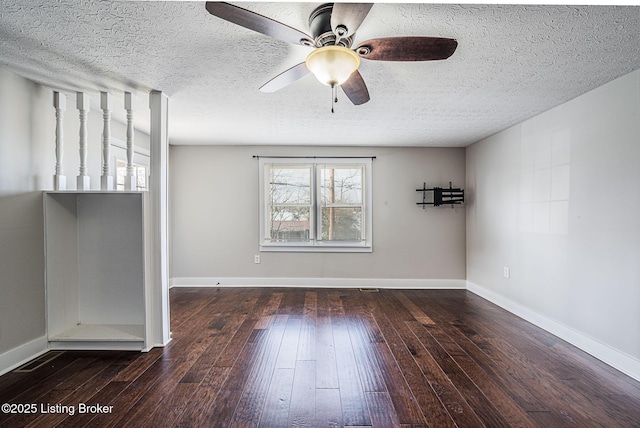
x,y
83,105
130,182
106,179
60,104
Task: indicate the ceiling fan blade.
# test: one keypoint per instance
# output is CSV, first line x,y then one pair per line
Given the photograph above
x,y
285,78
355,89
256,22
349,15
407,48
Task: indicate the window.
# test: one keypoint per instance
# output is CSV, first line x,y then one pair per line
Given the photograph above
x,y
140,171
323,204
141,162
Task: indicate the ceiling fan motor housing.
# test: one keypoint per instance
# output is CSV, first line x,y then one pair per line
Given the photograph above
x,y
321,31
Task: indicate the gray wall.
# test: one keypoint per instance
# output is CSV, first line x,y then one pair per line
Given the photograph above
x,y
556,200
214,217
26,164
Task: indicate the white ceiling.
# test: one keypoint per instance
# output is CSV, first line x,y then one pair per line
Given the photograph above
x,y
512,62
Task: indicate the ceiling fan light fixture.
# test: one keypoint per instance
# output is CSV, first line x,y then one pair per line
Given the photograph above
x,y
332,65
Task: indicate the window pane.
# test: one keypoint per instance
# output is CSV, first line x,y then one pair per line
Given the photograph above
x,y
341,185
121,172
141,177
289,185
341,224
288,224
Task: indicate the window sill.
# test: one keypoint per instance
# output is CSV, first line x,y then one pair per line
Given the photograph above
x,y
316,248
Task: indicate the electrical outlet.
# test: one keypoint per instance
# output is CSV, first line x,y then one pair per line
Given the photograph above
x,y
506,272
256,259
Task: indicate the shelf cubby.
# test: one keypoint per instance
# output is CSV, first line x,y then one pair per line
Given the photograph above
x,y
97,270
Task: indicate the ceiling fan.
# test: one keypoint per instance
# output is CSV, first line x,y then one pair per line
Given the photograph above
x,y
332,61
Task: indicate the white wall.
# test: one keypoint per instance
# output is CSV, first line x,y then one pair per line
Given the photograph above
x,y
556,200
27,163
214,191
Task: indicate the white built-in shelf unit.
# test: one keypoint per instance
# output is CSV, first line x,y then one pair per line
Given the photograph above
x,y
97,270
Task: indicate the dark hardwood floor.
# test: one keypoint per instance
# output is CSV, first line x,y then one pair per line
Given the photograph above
x,y
279,357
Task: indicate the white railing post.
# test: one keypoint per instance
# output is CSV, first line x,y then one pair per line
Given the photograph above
x,y
130,182
83,105
60,104
106,180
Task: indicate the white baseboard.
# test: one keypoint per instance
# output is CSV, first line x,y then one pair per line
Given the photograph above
x,y
321,282
616,359
22,354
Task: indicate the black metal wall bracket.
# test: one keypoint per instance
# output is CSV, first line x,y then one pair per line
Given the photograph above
x,y
441,196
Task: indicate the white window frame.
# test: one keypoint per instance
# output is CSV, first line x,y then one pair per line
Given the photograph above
x,y
314,244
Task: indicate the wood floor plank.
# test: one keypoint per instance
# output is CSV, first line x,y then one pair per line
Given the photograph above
x,y
171,408
82,394
336,306
105,397
278,400
322,303
203,398
307,342
292,303
289,346
214,350
164,387
228,323
503,402
124,401
302,412
254,395
274,303
417,313
182,358
439,348
445,391
328,408
310,304
352,398
139,365
579,413
459,347
236,344
618,407
522,370
20,381
277,357
365,335
61,388
221,411
187,305
404,401
366,355
521,367
383,413
326,365
44,391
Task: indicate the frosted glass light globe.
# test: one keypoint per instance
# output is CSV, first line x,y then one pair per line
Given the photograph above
x,y
332,65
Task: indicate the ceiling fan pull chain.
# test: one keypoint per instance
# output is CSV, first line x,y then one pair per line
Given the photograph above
x,y
332,99
334,96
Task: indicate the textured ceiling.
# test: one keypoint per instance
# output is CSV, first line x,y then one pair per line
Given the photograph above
x,y
512,62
